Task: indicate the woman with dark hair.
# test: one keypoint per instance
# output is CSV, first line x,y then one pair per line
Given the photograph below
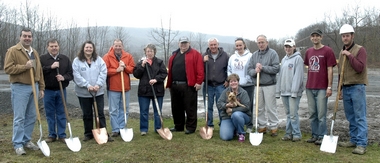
x,y
158,73
90,74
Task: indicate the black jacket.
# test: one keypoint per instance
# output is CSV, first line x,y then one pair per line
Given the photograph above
x,y
65,69
217,69
157,71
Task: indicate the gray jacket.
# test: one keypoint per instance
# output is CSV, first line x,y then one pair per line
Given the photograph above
x,y
217,68
290,78
85,76
270,61
242,97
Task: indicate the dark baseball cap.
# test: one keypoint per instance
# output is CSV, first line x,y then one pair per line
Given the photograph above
x,y
316,31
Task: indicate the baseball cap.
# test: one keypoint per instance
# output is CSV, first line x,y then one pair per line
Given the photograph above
x,y
183,39
317,31
289,42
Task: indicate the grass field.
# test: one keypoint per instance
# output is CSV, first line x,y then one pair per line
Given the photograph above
x,y
182,148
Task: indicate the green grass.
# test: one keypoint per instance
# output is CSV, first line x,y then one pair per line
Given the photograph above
x,y
182,148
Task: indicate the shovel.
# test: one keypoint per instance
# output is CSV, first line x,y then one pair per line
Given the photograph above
x,y
126,133
73,143
206,132
330,142
164,132
41,144
100,134
256,138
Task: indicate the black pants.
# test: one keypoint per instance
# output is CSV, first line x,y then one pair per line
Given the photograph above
x,y
184,100
86,105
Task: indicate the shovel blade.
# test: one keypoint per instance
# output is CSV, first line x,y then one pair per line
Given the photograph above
x,y
255,138
206,132
329,143
44,147
126,134
165,133
73,144
100,135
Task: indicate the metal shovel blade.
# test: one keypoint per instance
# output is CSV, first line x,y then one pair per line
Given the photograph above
x,y
42,145
100,135
126,134
255,138
329,143
73,143
206,132
165,133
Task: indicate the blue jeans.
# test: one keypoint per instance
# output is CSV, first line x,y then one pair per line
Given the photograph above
x,y
144,103
317,103
24,113
55,113
116,110
213,96
354,101
236,123
291,106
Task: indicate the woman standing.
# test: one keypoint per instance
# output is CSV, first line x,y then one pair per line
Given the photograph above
x,y
90,74
234,117
238,64
290,87
158,73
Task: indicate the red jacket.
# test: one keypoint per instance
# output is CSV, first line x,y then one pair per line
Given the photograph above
x,y
194,67
114,77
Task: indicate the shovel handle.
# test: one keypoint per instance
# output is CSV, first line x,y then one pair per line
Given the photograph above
x,y
155,97
123,95
63,98
257,98
35,95
339,88
96,109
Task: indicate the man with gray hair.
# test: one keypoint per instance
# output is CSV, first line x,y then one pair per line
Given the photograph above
x,y
216,76
266,62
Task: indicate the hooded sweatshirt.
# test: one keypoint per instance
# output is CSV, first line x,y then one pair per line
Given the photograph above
x,y
238,64
290,78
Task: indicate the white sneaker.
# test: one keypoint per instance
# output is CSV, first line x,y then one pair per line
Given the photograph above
x,y
31,146
249,130
20,151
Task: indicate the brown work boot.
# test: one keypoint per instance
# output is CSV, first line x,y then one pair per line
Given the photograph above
x,y
50,139
273,132
263,130
62,140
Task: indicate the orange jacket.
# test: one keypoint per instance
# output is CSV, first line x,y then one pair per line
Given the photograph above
x,y
114,77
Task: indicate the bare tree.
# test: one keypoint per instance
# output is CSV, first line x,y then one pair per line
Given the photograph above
x,y
200,42
122,34
164,38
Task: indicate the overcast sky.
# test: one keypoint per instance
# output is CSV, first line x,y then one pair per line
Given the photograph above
x,y
241,18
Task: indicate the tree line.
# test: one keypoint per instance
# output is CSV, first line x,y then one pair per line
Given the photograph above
x,y
44,25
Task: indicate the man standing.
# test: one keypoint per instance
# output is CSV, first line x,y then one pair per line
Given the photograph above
x,y
185,77
320,60
266,62
216,77
117,61
354,95
19,61
56,68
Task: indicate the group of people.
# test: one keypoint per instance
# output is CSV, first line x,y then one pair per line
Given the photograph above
x,y
236,74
